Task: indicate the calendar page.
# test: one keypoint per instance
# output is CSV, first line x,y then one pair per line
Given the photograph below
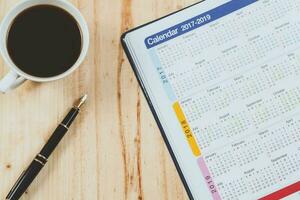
x,y
224,80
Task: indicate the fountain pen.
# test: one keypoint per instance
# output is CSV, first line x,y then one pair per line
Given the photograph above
x,y
41,159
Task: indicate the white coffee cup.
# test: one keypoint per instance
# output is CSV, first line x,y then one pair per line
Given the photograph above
x,y
16,76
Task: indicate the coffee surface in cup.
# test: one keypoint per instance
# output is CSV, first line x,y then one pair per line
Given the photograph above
x,y
44,41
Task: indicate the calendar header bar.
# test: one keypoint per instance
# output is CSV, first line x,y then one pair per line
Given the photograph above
x,y
196,22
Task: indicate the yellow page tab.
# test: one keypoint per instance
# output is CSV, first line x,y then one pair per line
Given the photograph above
x,y
186,129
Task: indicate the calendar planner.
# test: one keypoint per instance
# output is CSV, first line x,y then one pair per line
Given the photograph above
x,y
222,79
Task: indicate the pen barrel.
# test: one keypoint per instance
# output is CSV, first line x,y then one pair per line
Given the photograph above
x,y
25,180
71,116
40,160
59,133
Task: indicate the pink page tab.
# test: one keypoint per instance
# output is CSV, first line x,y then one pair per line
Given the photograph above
x,y
207,176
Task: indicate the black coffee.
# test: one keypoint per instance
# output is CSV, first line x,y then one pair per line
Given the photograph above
x,y
44,41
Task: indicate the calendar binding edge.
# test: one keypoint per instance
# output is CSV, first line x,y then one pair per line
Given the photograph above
x,y
154,113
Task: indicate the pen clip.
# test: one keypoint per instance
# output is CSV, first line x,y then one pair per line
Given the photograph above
x,y
12,191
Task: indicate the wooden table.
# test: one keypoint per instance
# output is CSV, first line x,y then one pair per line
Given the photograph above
x,y
114,150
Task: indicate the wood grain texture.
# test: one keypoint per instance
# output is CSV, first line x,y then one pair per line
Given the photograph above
x,y
114,150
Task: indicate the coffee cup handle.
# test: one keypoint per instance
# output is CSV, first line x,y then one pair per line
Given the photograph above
x,y
11,81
